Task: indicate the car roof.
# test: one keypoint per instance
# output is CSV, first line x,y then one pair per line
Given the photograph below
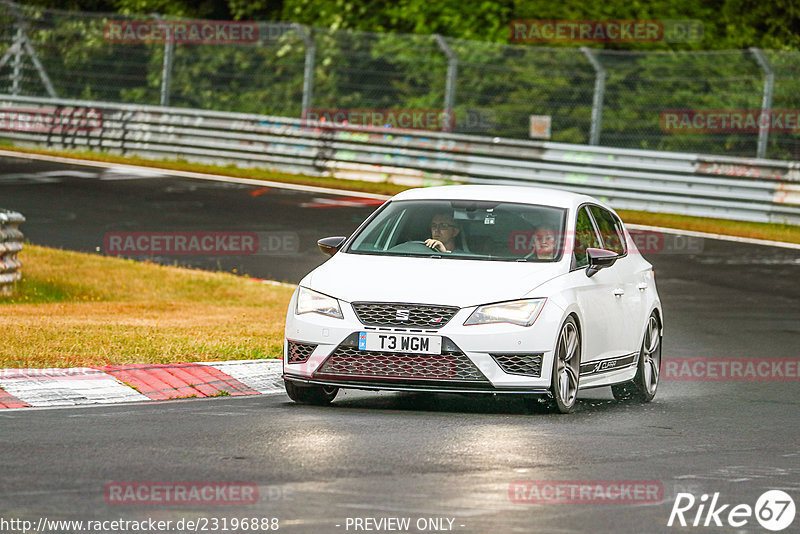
x,y
500,193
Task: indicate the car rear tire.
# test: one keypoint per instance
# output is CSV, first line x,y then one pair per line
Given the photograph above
x,y
566,373
316,395
648,370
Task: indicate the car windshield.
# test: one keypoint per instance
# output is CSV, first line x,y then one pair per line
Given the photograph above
x,y
479,230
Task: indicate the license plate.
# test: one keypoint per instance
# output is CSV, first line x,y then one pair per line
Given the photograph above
x,y
388,342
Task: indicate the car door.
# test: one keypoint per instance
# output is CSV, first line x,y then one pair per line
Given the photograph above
x,y
627,271
602,310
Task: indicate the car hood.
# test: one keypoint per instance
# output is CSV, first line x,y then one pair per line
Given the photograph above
x,y
462,283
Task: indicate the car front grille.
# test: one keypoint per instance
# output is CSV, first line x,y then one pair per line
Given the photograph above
x,y
405,315
520,364
299,352
349,362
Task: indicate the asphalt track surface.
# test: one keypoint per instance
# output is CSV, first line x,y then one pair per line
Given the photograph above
x,y
404,455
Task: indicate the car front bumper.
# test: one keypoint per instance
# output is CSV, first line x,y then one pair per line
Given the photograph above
x,y
490,358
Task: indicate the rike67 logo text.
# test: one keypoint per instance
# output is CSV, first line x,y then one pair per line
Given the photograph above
x,y
774,510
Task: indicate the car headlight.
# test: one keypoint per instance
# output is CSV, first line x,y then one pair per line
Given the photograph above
x,y
520,312
309,301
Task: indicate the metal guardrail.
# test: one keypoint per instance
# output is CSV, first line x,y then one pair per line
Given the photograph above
x,y
691,184
10,245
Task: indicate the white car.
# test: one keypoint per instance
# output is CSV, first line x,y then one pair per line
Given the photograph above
x,y
479,289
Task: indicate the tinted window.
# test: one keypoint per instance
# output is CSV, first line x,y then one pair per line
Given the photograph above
x,y
585,237
610,230
482,230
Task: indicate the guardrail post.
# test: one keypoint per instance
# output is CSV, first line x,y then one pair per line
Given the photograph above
x,y
166,66
10,245
450,84
308,69
599,93
166,71
766,101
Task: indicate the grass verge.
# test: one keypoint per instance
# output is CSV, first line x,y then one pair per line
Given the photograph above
x,y
786,233
73,309
773,232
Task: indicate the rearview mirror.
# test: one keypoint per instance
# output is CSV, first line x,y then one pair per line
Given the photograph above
x,y
599,258
331,245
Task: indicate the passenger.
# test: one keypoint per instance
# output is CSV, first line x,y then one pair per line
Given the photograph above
x,y
444,232
546,243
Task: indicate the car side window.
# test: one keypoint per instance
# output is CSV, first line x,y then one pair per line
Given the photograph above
x,y
610,229
585,237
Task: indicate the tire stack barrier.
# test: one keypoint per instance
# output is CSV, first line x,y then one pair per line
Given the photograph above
x,y
10,245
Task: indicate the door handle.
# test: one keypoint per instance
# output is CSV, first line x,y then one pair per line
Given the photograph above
x,y
642,286
619,292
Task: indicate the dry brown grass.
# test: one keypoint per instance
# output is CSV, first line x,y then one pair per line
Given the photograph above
x,y
74,309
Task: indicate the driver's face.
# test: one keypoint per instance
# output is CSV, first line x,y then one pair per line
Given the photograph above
x,y
443,227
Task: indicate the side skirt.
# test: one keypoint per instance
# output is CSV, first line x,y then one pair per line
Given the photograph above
x,y
608,371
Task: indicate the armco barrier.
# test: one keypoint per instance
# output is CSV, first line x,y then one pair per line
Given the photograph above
x,y
690,184
10,245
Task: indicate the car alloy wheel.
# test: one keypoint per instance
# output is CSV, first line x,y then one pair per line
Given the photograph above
x,y
566,373
648,371
566,367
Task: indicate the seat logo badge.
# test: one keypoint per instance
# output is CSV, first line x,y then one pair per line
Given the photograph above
x,y
436,320
402,315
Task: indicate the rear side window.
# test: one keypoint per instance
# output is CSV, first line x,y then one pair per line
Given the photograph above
x,y
610,229
585,237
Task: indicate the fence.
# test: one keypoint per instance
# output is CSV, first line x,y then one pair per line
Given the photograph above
x,y
706,186
592,96
10,245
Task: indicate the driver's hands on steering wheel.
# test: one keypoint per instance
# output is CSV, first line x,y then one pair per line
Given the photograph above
x,y
435,244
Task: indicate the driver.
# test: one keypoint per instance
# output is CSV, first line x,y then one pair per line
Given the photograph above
x,y
444,231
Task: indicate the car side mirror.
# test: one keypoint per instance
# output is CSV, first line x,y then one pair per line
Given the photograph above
x,y
599,259
331,245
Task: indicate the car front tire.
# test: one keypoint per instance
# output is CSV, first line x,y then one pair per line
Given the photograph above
x,y
316,395
565,375
648,370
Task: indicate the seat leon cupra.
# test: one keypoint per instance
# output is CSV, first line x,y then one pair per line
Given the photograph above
x,y
479,289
